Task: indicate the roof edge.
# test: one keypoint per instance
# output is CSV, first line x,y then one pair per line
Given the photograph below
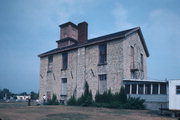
x,y
142,39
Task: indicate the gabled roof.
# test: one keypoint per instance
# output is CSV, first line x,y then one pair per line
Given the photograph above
x,y
105,38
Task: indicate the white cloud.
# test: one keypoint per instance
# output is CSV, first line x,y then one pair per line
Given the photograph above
x,y
121,17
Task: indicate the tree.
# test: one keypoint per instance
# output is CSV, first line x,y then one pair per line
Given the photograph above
x,y
34,95
53,101
122,95
85,99
5,93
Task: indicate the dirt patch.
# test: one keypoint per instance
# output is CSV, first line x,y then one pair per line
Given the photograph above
x,y
14,111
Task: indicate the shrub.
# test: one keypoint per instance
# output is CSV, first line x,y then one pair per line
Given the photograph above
x,y
135,103
53,101
122,96
118,100
72,101
107,100
84,100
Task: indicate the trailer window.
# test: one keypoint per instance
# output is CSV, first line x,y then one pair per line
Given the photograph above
x,y
140,89
147,88
178,89
127,89
134,88
163,89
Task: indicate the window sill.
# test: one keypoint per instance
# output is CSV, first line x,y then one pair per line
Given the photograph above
x,y
100,64
63,95
49,71
63,69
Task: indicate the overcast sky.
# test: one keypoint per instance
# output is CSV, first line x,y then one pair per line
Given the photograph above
x,y
30,27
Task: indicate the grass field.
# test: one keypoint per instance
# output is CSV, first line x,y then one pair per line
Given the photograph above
x,y
20,111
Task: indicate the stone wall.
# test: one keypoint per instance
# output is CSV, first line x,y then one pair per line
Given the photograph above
x,y
134,41
83,65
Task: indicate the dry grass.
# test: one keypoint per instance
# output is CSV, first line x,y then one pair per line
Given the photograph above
x,y
19,111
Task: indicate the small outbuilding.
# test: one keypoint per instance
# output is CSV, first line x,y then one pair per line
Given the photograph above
x,y
158,94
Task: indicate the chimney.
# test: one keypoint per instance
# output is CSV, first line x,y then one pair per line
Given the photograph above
x,y
68,30
82,32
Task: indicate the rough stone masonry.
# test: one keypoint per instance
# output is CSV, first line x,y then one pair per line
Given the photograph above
x,y
103,61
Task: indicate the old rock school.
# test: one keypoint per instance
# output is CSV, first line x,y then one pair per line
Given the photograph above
x,y
104,62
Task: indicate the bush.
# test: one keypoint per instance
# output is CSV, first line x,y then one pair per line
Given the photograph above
x,y
118,100
107,100
72,101
84,100
53,101
122,96
135,103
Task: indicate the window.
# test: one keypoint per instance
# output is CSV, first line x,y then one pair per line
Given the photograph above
x,y
64,60
64,86
178,89
48,95
154,88
140,89
102,83
133,74
134,88
142,62
132,56
103,54
163,88
127,89
147,88
50,63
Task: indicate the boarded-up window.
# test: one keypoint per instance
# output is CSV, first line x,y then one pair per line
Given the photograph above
x,y
64,60
103,53
134,88
163,89
64,86
127,89
50,63
154,88
178,89
102,83
48,95
140,88
147,88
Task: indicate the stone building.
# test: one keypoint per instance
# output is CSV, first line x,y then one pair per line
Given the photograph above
x,y
103,61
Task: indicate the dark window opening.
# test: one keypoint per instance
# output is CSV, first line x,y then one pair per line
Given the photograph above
x,y
127,89
154,88
103,54
133,75
147,88
163,89
142,62
134,88
132,57
64,60
140,89
50,63
177,89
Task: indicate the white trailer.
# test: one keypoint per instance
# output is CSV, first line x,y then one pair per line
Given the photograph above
x,y
174,95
